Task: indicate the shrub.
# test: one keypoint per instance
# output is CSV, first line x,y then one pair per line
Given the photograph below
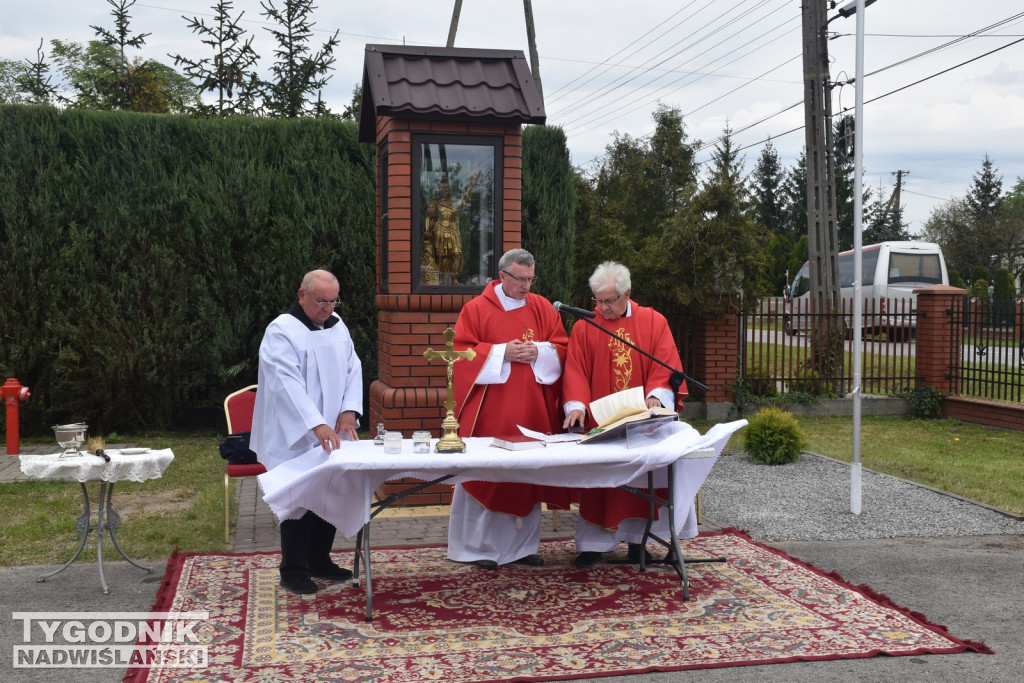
x,y
926,402
774,437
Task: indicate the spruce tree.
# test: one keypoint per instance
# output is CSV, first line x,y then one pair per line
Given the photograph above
x,y
298,76
230,70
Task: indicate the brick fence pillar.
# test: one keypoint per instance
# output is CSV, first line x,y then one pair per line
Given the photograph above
x,y
939,341
716,356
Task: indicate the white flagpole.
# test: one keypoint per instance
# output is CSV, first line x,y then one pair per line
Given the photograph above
x,y
858,222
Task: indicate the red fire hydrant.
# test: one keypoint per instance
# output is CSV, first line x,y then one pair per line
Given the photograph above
x,y
14,395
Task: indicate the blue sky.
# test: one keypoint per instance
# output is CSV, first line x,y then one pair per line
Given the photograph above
x,y
606,65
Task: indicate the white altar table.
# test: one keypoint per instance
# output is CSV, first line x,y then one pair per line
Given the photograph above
x,y
339,486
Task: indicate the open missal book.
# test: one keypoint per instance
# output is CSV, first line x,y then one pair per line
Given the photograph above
x,y
615,413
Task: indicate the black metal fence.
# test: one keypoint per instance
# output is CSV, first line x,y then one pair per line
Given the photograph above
x,y
802,346
990,364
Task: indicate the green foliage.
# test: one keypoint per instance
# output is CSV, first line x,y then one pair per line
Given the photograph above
x,y
827,351
640,185
767,192
982,228
1003,288
709,253
925,401
144,256
773,437
807,381
759,382
979,290
884,220
229,72
97,76
794,191
299,75
549,209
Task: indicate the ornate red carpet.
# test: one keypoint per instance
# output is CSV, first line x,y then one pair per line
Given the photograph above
x,y
439,620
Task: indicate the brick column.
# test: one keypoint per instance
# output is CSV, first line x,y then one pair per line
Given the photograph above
x,y
716,357
939,341
409,392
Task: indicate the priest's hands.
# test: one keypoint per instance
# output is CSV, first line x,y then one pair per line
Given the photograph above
x,y
347,426
573,419
519,351
327,437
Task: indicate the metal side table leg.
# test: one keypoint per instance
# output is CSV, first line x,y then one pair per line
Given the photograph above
x,y
82,524
113,522
366,566
99,536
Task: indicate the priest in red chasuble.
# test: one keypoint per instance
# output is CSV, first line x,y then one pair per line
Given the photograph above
x,y
598,365
515,379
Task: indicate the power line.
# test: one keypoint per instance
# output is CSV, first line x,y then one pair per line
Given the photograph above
x,y
874,99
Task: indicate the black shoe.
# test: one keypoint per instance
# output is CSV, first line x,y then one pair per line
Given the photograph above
x,y
489,565
332,572
296,583
531,561
586,559
633,554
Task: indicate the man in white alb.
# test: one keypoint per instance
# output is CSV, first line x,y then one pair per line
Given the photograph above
x,y
309,397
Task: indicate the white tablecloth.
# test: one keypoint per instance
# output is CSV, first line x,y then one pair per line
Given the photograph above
x,y
89,467
339,487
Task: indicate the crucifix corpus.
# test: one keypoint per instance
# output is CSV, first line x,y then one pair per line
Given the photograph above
x,y
450,441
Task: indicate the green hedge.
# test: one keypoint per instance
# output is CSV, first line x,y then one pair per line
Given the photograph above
x,y
549,210
143,256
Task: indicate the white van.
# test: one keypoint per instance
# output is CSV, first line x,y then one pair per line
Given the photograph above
x,y
892,271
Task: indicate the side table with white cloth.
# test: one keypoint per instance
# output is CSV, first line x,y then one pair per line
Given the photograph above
x,y
129,464
339,487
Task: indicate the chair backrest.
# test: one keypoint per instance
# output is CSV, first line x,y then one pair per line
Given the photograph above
x,y
238,408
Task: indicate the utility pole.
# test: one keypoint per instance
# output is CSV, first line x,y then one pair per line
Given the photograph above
x,y
532,39
894,201
531,36
822,239
455,23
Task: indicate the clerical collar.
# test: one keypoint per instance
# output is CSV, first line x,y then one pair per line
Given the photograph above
x,y
296,310
507,302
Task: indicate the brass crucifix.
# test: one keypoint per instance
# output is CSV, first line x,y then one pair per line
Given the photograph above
x,y
450,441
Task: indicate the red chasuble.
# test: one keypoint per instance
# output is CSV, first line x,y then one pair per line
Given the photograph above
x,y
598,365
496,409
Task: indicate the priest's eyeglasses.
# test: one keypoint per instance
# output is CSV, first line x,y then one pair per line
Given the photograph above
x,y
522,280
606,302
334,303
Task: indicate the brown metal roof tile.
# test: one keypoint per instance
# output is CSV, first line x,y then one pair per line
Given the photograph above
x,y
447,83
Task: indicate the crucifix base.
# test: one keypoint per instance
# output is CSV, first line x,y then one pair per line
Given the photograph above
x,y
450,441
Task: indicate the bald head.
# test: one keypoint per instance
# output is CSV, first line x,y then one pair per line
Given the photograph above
x,y
318,294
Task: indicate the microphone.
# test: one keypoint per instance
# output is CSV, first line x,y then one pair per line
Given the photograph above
x,y
572,310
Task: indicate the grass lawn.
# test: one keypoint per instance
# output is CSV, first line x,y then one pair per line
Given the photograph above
x,y
980,463
184,508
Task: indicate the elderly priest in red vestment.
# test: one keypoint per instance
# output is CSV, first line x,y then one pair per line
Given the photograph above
x,y
514,380
598,365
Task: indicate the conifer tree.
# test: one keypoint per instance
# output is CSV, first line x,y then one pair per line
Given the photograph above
x,y
229,72
298,76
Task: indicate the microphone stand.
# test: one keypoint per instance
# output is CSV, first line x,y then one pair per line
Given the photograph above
x,y
674,558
